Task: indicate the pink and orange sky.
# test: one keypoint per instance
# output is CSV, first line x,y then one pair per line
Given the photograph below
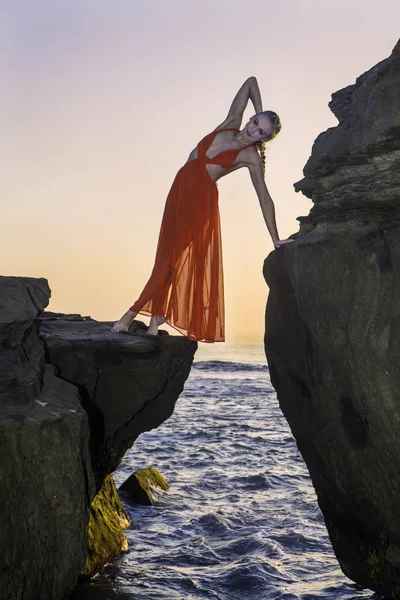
x,y
102,102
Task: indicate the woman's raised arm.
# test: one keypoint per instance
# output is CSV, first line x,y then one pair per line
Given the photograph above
x,y
248,91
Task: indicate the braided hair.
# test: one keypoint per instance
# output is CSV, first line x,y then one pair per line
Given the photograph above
x,y
276,127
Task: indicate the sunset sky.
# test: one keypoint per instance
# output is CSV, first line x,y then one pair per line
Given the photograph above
x,y
102,101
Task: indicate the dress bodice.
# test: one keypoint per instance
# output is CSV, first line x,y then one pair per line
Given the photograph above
x,y
224,159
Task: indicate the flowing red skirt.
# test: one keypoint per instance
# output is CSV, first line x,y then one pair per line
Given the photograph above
x,y
186,284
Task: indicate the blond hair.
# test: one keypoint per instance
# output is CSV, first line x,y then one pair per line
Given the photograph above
x,y
276,127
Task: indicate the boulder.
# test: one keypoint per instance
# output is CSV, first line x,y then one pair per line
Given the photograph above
x,y
73,398
128,383
46,478
141,486
333,327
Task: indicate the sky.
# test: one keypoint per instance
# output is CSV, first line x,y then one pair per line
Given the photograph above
x,y
102,102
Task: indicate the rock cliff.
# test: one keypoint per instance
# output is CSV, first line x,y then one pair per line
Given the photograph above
x,y
73,398
333,327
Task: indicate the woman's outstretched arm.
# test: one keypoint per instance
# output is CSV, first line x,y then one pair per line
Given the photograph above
x,y
266,202
248,91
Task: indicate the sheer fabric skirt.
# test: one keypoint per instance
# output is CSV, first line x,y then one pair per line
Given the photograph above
x,y
186,284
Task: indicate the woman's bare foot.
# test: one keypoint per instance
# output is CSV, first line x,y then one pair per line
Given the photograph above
x,y
124,323
155,322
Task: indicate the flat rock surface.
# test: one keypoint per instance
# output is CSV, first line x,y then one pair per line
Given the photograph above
x,y
78,329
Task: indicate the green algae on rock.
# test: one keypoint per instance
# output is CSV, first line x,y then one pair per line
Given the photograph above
x,y
107,520
140,485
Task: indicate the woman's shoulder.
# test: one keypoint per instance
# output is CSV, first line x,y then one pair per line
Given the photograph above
x,y
249,155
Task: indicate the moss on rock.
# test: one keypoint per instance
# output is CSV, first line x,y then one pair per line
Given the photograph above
x,y
141,483
105,537
374,562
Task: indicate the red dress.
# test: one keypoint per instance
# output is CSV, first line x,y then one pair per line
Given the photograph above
x,y
186,284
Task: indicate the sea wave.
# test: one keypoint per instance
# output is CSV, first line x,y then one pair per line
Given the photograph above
x,y
240,520
220,365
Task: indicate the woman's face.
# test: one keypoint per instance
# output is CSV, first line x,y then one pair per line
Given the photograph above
x,y
258,128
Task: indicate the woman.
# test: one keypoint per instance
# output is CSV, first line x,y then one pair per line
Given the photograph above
x,y
185,288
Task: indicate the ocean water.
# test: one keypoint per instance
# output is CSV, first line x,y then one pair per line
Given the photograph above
x,y
241,519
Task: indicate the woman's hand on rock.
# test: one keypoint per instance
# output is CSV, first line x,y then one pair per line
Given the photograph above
x,y
279,243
